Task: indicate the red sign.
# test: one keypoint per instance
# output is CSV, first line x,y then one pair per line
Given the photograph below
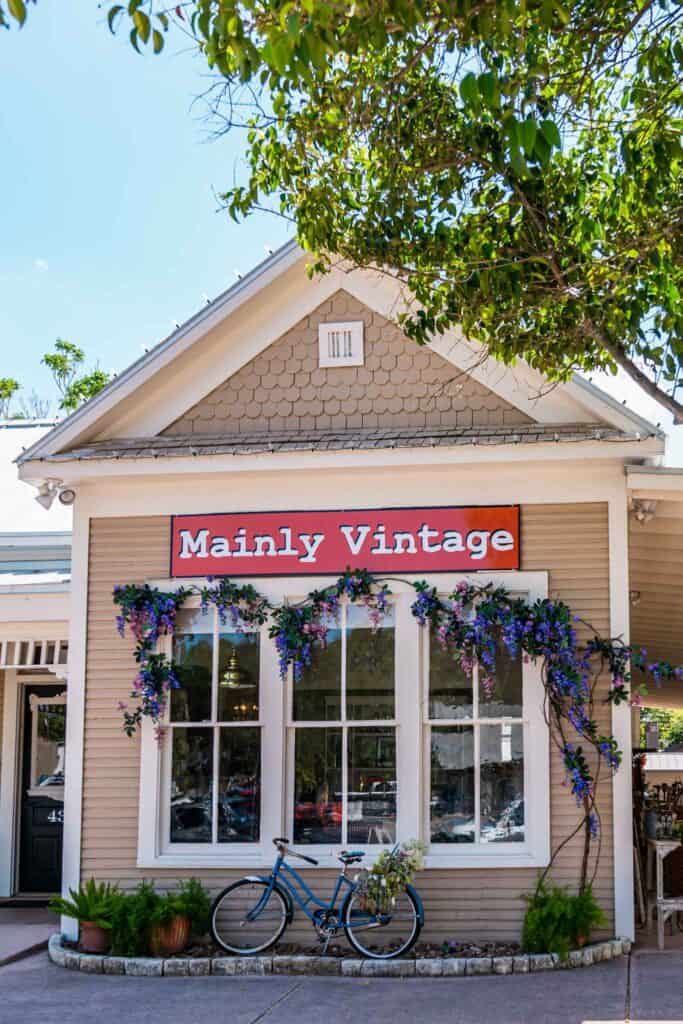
x,y
326,543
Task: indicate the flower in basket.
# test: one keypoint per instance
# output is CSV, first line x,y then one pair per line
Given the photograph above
x,y
390,874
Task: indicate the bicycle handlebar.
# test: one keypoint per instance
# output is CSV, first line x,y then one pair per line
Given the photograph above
x,y
281,844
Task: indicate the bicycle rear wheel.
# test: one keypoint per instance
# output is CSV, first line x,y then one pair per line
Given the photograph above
x,y
246,919
382,936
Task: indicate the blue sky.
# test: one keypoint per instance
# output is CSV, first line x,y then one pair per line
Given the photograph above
x,y
109,230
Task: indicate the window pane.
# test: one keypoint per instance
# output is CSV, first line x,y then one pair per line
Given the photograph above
x,y
502,784
238,677
191,779
502,697
450,689
318,786
451,810
369,666
239,796
192,652
317,695
372,786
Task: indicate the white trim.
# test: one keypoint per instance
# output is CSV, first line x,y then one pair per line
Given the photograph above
x,y
663,762
75,715
622,809
11,745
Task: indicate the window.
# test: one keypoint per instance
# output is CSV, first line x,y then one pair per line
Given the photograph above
x,y
476,733
340,344
382,739
215,734
343,736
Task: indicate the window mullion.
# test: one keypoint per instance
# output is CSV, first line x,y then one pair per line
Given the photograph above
x,y
477,783
345,731
215,730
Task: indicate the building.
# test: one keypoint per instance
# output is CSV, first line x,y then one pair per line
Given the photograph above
x,y
35,563
286,400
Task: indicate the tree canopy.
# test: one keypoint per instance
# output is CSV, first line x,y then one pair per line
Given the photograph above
x,y
65,364
516,164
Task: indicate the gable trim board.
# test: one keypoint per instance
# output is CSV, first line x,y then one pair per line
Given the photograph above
x,y
285,295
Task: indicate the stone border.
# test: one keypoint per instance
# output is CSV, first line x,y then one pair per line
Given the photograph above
x,y
428,967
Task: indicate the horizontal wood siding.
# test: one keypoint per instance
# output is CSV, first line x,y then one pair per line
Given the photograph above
x,y
570,541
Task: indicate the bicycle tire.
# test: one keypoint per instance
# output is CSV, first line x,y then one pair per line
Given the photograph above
x,y
228,916
367,951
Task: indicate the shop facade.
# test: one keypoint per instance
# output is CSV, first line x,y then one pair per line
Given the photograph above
x,y
286,433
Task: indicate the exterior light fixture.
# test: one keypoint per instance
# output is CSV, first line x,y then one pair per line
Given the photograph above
x,y
643,511
67,496
47,492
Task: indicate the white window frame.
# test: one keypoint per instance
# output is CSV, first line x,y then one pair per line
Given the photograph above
x,y
410,696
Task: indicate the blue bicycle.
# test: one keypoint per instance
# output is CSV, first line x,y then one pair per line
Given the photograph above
x,y
251,915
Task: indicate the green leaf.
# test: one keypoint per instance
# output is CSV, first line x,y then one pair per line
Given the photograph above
x,y
17,9
527,134
157,41
487,86
469,90
112,15
142,24
293,25
551,133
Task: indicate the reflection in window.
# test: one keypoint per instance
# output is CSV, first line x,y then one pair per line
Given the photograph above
x,y
317,695
372,785
191,779
239,798
450,689
451,810
238,677
193,654
502,784
318,786
369,666
502,696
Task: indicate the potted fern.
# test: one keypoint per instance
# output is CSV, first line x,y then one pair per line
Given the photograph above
x,y
91,906
176,916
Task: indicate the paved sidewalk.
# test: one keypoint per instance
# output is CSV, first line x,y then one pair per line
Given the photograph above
x,y
34,989
24,931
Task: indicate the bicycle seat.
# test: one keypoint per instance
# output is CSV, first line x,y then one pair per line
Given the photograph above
x,y
351,856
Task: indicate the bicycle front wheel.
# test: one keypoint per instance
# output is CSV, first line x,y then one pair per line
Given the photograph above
x,y
382,936
247,919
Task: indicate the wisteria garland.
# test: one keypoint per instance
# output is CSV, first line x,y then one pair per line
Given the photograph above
x,y
471,624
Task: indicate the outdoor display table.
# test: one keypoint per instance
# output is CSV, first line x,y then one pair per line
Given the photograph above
x,y
657,850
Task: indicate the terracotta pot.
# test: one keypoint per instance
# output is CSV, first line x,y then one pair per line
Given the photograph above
x,y
93,938
171,938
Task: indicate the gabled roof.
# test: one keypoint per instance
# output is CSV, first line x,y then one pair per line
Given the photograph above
x,y
574,402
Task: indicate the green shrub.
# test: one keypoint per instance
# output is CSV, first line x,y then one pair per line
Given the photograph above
x,y
91,902
134,914
557,921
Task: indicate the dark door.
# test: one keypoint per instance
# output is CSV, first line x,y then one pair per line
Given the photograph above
x,y
42,793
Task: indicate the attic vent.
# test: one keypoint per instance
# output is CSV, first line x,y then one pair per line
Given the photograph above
x,y
341,344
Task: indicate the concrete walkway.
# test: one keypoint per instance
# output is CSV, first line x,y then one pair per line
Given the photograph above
x,y
648,989
24,931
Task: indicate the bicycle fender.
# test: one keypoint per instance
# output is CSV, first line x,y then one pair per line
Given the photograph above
x,y
420,906
283,892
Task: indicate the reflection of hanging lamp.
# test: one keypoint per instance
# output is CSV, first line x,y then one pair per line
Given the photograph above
x,y
234,677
